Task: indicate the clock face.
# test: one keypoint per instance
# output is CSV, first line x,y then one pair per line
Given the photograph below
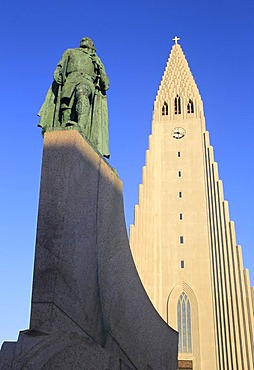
x,y
178,132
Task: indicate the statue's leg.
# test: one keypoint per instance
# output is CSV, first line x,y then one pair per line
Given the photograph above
x,y
66,116
66,112
83,95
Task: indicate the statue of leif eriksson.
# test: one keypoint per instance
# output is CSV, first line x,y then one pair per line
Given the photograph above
x,y
77,96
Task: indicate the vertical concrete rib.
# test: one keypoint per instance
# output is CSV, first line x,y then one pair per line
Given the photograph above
x,y
227,295
238,317
214,264
221,287
246,349
231,289
250,318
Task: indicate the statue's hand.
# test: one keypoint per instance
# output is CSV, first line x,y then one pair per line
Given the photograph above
x,y
99,64
59,80
58,77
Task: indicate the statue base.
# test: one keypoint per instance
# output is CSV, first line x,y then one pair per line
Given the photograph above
x,y
89,308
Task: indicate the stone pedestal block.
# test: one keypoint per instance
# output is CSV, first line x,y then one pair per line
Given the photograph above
x,y
89,308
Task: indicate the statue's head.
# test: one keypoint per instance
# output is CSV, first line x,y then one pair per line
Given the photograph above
x,y
86,42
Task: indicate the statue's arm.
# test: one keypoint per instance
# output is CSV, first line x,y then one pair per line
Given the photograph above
x,y
59,74
104,80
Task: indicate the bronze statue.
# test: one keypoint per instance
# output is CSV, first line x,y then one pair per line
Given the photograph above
x,y
77,96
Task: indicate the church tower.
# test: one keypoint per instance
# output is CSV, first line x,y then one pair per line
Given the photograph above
x,y
183,241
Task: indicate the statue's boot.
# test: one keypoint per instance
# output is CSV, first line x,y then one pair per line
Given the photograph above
x,y
83,111
66,118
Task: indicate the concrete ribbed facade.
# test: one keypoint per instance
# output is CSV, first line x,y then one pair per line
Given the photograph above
x,y
183,240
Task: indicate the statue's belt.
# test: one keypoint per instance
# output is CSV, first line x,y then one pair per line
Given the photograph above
x,y
81,73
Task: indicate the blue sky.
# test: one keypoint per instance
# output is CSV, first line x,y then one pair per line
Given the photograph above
x,y
133,38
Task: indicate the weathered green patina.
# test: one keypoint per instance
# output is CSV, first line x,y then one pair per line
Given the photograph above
x,y
77,96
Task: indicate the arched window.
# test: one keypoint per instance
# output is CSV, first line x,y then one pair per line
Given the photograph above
x,y
184,324
164,109
177,104
190,107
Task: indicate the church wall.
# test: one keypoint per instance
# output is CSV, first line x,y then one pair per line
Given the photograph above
x,y
182,239
232,332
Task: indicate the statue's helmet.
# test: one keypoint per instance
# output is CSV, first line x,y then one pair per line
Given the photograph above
x,y
86,42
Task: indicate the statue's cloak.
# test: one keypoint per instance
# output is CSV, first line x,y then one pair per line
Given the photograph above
x,y
47,113
96,130
99,124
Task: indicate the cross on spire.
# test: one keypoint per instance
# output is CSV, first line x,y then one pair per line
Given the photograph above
x,y
176,39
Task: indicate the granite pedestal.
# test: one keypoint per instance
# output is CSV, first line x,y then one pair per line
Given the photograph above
x,y
89,308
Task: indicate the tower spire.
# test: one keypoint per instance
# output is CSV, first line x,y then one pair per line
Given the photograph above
x,y
178,82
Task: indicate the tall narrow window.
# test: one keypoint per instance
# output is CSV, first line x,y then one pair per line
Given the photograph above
x,y
164,110
184,323
182,264
180,216
190,106
181,239
179,173
178,154
180,194
177,104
